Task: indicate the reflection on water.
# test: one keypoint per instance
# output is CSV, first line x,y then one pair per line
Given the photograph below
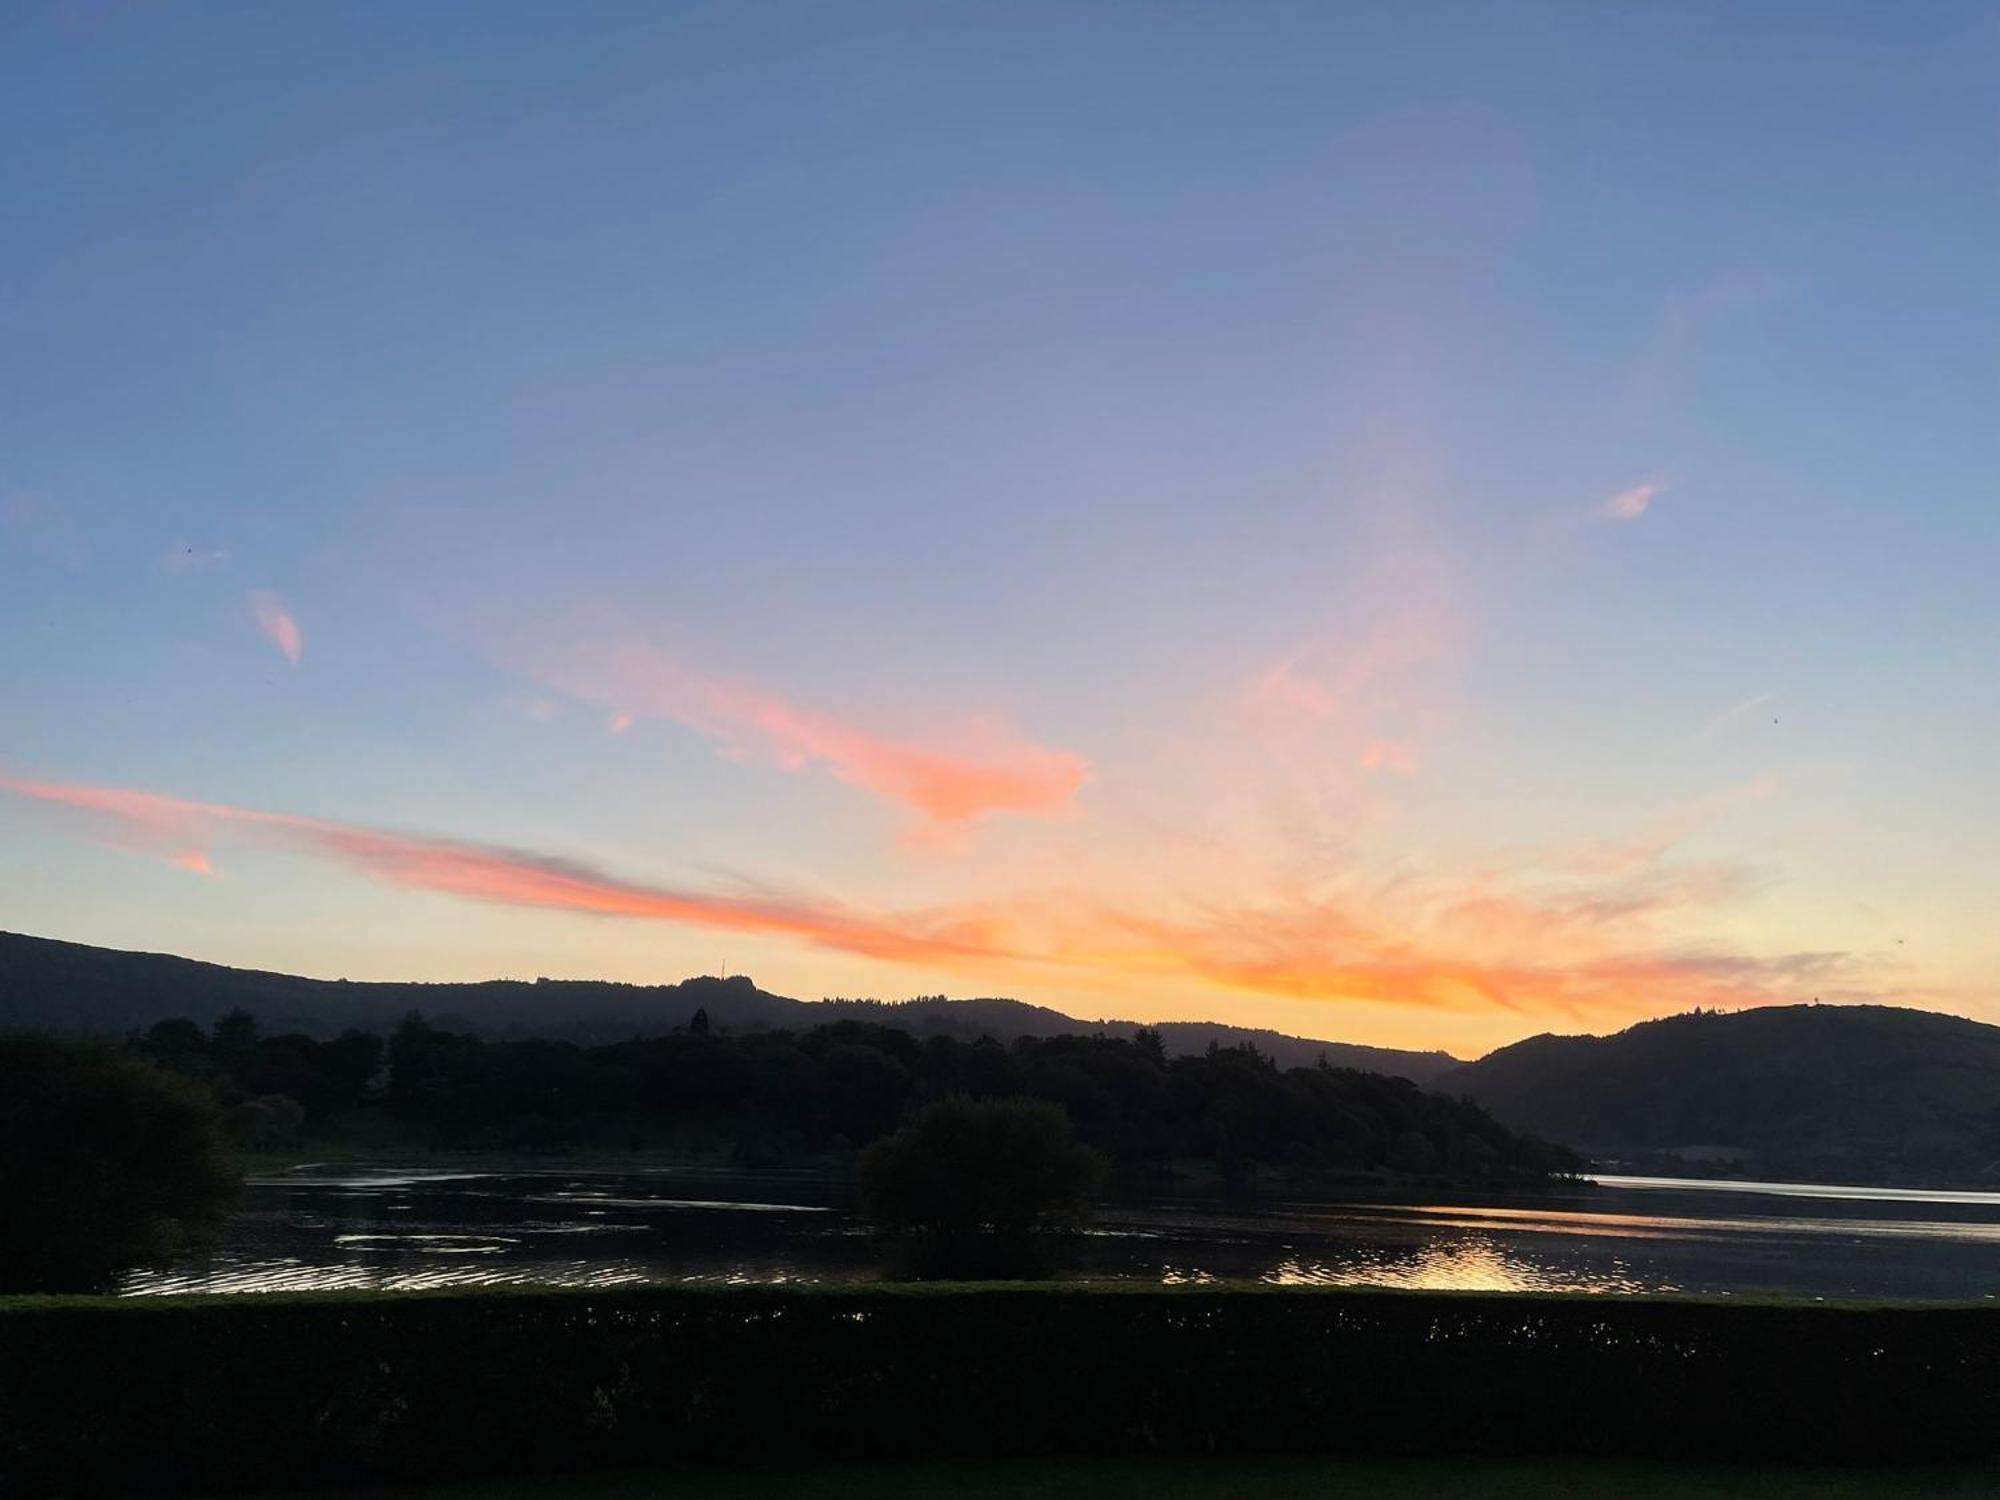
x,y
1803,1190
1472,1264
1658,1226
405,1230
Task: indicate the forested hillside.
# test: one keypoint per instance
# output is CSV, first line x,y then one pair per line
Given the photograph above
x,y
1858,1093
71,986
772,1096
1847,1093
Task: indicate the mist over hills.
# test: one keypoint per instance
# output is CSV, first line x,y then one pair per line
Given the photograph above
x,y
77,987
1843,1093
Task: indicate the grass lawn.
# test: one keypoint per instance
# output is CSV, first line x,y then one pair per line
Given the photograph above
x,y
1217,1479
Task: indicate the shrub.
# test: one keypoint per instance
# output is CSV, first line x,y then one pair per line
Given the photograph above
x,y
979,1187
106,1163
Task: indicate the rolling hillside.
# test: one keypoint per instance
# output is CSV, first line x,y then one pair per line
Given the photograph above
x,y
1840,1092
1844,1093
73,986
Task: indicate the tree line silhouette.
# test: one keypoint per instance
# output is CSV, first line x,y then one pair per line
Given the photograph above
x,y
772,1096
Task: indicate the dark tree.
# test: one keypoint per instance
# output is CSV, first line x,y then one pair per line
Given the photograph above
x,y
346,1067
107,1163
979,1187
234,1041
1154,1046
770,1096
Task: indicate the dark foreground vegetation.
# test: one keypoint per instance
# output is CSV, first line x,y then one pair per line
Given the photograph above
x,y
214,1394
770,1096
1232,1477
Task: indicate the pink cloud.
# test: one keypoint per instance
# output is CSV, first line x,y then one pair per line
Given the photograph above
x,y
966,771
278,625
1388,755
1369,694
1664,833
1540,938
494,873
1629,505
1282,687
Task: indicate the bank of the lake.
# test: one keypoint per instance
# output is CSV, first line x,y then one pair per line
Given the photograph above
x,y
212,1394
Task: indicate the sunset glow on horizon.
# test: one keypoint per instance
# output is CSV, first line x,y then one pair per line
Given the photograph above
x,y
1233,513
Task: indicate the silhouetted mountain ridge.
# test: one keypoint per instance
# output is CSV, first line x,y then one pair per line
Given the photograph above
x,y
74,986
1864,1093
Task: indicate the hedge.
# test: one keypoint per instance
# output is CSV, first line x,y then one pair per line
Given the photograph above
x,y
198,1394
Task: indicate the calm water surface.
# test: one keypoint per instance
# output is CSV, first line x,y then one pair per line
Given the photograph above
x,y
324,1228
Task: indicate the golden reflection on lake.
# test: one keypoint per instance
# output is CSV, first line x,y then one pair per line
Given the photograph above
x,y
1472,1264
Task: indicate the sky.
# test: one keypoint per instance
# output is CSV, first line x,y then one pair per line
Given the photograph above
x,y
1416,525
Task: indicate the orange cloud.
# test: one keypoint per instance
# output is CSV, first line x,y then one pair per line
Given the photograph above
x,y
278,625
1534,941
1463,944
1358,704
1387,755
1629,505
971,770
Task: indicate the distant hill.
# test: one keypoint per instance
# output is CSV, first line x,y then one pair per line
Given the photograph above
x,y
72,986
1856,1093
1006,1019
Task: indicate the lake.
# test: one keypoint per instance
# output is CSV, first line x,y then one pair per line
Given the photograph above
x,y
381,1228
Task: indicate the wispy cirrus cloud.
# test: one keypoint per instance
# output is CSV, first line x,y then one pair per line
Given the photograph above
x,y
486,872
277,623
1733,714
1694,317
1662,834
1368,692
1630,504
1564,938
960,772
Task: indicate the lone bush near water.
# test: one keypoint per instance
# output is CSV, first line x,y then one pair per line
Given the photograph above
x,y
106,1163
975,1188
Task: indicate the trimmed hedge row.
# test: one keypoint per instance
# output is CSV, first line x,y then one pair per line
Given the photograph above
x,y
214,1394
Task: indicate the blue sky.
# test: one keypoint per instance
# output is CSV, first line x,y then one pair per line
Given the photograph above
x,y
1118,504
